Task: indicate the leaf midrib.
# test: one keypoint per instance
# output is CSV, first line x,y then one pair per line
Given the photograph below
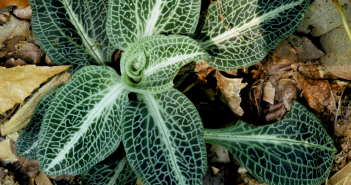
x,y
154,105
263,139
93,52
229,34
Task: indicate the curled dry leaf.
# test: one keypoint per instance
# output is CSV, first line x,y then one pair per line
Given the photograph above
x,y
203,69
304,48
18,82
323,16
23,13
4,17
8,150
23,116
42,178
338,53
18,47
12,63
317,93
230,89
13,27
341,176
222,154
268,92
20,3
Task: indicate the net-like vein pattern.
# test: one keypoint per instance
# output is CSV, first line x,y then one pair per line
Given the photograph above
x,y
163,139
72,32
260,24
295,150
131,20
116,173
82,125
164,56
26,144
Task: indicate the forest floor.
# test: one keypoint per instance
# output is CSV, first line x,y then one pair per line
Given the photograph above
x,y
312,66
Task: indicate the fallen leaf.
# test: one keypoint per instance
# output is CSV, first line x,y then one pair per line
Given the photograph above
x,y
202,70
323,16
317,93
23,115
304,48
13,27
4,17
338,53
31,167
8,150
23,13
12,63
6,178
18,47
222,154
214,170
42,179
20,3
230,88
18,82
268,92
341,176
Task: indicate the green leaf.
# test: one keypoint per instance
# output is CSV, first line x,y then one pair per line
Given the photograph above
x,y
26,145
163,139
72,32
82,125
117,173
295,150
260,24
130,20
150,64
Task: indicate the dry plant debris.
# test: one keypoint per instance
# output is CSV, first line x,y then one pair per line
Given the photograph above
x,y
12,28
19,82
23,13
338,53
20,3
323,16
23,116
230,92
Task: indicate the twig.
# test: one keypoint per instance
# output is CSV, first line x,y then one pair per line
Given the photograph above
x,y
343,18
220,12
190,86
12,111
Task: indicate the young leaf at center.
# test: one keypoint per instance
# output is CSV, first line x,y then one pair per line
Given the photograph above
x,y
150,64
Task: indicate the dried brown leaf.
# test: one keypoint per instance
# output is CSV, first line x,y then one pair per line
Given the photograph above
x,y
20,3
22,117
340,177
42,178
323,16
17,83
338,53
230,88
268,92
222,154
8,150
13,27
23,13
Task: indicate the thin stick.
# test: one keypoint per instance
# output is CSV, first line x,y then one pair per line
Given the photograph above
x,y
343,18
190,86
12,111
220,12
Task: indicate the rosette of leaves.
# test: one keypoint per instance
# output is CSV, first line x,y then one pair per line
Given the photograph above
x,y
161,130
